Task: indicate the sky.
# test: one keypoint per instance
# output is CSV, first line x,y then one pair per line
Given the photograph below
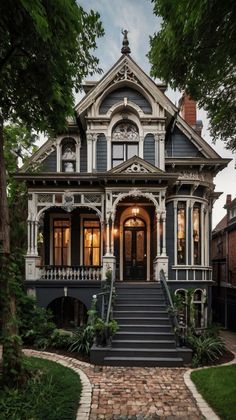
x,y
137,17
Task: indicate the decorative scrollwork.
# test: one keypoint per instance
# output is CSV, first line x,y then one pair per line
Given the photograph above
x,y
45,198
125,131
136,168
125,73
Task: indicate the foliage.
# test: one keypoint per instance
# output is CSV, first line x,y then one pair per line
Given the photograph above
x,y
45,53
52,393
218,387
82,339
61,339
205,348
195,51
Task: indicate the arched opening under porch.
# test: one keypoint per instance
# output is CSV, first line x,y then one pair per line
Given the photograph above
x,y
68,312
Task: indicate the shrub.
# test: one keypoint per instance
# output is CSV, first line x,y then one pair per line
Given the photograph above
x,y
205,349
82,339
61,339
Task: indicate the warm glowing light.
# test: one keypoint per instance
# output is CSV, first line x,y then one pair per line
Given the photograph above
x,y
115,231
135,211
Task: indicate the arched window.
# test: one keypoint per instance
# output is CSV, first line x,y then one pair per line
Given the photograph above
x,y
68,155
198,307
125,142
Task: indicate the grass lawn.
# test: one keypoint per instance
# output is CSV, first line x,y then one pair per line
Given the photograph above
x,y
217,385
53,393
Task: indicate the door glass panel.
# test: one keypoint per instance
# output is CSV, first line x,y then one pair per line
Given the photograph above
x,y
92,240
128,245
140,245
134,222
132,150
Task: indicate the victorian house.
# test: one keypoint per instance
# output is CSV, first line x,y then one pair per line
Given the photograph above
x,y
128,187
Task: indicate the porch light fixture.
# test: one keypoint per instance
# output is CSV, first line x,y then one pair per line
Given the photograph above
x,y
135,211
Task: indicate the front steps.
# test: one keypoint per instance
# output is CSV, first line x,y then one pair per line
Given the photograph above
x,y
145,336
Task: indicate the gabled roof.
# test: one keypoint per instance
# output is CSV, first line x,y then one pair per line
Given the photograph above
x,y
135,165
142,79
221,225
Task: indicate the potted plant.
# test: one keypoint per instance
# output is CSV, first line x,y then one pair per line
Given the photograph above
x,y
104,331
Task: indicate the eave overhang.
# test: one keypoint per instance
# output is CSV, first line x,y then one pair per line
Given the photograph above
x,y
215,165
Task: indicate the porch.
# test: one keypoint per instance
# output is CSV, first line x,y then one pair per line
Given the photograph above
x,y
80,242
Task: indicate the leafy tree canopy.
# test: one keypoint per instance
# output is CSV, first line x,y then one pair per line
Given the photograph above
x,y
195,51
45,52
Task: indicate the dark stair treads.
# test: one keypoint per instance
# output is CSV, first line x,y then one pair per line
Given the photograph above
x,y
147,344
144,361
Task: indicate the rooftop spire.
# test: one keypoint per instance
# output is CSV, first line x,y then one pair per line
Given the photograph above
x,y
125,48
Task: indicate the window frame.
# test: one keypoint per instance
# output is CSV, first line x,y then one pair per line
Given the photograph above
x,y
61,219
91,219
181,206
125,145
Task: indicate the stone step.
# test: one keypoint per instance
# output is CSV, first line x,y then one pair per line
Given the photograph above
x,y
143,352
135,321
140,314
160,327
144,361
142,306
148,344
139,300
144,335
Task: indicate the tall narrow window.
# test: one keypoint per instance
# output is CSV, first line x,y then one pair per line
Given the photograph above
x,y
198,306
181,233
92,242
196,234
61,238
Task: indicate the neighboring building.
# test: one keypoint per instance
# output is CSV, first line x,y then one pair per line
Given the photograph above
x,y
224,267
129,186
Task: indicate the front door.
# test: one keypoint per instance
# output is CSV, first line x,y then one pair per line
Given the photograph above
x,y
135,261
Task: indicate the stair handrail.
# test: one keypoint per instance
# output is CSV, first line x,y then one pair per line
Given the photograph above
x,y
168,297
112,288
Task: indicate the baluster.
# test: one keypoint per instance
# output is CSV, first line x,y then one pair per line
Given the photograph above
x,y
59,273
82,273
90,271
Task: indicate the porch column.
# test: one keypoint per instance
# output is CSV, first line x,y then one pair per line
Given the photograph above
x,y
158,234
36,237
164,233
32,237
28,237
108,237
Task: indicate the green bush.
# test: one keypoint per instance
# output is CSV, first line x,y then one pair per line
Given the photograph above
x,y
82,339
61,339
205,348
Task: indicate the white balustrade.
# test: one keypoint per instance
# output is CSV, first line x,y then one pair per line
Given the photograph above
x,y
71,273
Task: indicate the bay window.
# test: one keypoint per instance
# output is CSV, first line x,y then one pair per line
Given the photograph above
x,y
196,234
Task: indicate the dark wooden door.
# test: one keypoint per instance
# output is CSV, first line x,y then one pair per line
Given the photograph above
x,y
135,261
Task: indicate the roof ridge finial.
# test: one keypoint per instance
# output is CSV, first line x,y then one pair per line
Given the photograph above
x,y
125,48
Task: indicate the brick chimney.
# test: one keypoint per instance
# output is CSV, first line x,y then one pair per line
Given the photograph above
x,y
228,199
188,111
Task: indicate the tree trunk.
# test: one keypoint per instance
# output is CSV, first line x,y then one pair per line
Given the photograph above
x,y
12,355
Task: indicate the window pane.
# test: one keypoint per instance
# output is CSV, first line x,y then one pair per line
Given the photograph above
x,y
116,162
65,237
181,235
57,256
87,256
132,150
96,256
91,223
96,237
134,222
57,237
128,245
118,151
88,237
196,236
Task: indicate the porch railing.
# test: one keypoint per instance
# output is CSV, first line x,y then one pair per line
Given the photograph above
x,y
81,272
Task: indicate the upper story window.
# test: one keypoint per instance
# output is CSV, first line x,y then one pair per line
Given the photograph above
x,y
196,234
68,155
181,233
125,138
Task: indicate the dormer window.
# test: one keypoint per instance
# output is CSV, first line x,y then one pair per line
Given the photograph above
x,y
68,155
125,138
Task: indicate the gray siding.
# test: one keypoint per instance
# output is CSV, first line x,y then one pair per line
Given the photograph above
x,y
83,156
149,149
179,145
101,153
125,92
50,163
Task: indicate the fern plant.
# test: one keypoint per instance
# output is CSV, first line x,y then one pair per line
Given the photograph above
x,y
205,349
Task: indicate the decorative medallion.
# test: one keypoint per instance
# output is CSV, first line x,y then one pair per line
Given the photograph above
x,y
136,168
125,131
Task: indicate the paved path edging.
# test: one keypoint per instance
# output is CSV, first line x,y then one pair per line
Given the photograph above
x,y
203,406
83,412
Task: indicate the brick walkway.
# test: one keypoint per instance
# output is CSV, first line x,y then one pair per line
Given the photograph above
x,y
136,393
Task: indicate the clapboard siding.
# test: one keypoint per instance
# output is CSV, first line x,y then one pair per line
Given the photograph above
x,y
179,145
125,92
101,153
149,149
83,156
50,163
